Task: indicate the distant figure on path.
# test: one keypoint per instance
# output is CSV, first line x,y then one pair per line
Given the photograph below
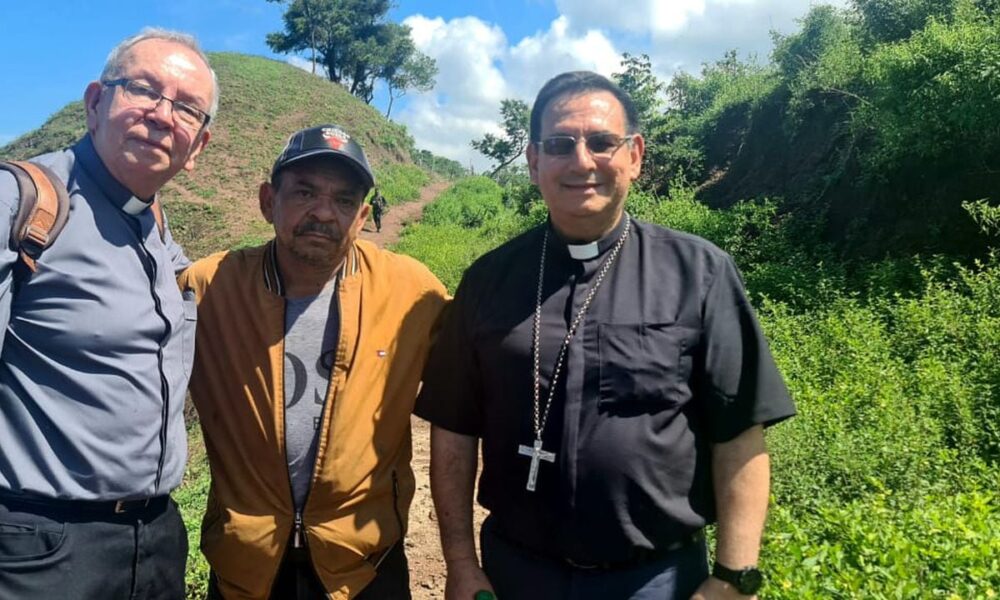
x,y
310,350
618,379
379,208
98,344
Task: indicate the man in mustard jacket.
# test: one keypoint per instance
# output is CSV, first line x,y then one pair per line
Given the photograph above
x,y
309,355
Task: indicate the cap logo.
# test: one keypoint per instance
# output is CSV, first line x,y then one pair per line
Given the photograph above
x,y
335,138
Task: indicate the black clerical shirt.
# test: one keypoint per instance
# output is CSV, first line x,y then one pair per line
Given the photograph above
x,y
668,360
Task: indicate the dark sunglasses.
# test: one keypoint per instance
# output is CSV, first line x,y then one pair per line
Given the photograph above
x,y
598,144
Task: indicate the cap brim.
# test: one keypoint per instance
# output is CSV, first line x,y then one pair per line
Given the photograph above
x,y
366,176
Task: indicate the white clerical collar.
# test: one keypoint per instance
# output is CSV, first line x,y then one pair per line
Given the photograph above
x,y
135,206
583,251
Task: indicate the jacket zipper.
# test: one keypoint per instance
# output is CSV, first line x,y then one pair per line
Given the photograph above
x,y
298,528
298,539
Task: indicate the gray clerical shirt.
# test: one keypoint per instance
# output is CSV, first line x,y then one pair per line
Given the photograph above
x,y
97,346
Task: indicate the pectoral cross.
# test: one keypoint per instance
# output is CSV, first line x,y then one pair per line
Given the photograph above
x,y
536,453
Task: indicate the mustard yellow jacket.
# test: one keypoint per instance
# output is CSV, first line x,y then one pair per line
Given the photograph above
x,y
362,483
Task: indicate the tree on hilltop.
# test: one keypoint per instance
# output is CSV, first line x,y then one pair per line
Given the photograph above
x,y
355,44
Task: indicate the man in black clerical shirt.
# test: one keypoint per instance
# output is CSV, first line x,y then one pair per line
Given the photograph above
x,y
618,379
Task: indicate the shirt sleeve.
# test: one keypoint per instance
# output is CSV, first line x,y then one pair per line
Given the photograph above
x,y
742,384
9,203
450,396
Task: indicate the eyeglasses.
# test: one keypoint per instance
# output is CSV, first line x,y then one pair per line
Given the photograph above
x,y
600,145
144,97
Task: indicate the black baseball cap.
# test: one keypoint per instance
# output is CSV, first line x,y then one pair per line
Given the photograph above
x,y
330,140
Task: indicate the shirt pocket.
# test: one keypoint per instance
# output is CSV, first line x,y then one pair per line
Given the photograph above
x,y
644,366
189,329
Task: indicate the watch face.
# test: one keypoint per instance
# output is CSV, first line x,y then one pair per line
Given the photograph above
x,y
750,580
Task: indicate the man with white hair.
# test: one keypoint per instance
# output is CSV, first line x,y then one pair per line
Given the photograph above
x,y
97,343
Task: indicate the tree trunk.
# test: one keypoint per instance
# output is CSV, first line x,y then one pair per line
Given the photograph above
x,y
512,159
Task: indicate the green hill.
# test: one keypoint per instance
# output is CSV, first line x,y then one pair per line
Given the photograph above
x,y
262,102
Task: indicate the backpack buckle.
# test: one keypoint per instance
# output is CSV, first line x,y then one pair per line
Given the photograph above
x,y
37,235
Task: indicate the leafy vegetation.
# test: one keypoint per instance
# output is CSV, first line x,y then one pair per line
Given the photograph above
x,y
879,120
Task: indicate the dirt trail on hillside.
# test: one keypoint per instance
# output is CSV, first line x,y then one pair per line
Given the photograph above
x,y
400,214
423,547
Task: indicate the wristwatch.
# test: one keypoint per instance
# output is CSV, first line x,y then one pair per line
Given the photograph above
x,y
746,580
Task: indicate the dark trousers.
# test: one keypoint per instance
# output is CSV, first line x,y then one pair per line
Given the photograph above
x,y
377,217
57,551
518,575
297,580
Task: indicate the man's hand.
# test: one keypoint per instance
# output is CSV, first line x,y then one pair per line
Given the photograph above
x,y
465,578
715,589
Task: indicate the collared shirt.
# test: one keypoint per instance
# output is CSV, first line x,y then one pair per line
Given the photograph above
x,y
668,360
97,346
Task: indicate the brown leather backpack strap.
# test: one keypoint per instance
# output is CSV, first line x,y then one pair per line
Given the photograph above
x,y
157,209
42,212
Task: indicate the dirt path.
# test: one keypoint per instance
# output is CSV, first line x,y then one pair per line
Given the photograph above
x,y
400,214
423,548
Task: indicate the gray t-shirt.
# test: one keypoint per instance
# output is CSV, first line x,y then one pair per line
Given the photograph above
x,y
309,358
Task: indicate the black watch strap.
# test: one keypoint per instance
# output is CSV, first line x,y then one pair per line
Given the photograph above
x,y
747,580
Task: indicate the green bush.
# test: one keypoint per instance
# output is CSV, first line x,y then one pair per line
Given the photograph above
x,y
933,98
469,204
446,249
466,221
885,548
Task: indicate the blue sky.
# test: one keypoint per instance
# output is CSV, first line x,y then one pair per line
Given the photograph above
x,y
486,50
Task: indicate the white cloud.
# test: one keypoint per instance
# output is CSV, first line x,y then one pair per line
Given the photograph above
x,y
477,68
744,25
536,59
635,16
467,51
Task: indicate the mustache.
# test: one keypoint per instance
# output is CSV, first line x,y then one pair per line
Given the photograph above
x,y
318,227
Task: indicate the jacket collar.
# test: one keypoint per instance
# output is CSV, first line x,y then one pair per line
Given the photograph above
x,y
272,272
